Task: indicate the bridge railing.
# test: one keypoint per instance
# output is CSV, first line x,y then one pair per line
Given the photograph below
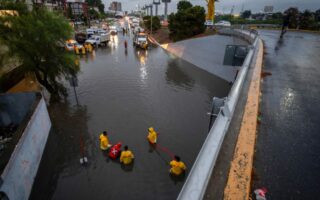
x,y
200,174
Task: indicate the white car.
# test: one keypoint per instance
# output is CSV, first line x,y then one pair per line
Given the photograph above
x,y
113,30
223,23
70,44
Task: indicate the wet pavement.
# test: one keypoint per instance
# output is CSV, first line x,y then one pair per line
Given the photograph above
x,y
287,160
125,92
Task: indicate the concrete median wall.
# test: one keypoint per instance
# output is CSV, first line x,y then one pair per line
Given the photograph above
x,y
197,181
19,173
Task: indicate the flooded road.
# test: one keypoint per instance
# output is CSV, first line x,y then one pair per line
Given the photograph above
x,y
125,93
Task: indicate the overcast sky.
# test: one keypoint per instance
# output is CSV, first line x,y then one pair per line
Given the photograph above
x,y
226,5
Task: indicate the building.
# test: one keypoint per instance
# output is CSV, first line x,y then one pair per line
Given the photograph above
x,y
115,6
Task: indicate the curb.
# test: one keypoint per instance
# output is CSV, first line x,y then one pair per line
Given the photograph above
x,y
239,179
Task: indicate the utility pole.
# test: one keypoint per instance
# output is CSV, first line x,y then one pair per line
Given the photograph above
x,y
166,8
151,8
156,3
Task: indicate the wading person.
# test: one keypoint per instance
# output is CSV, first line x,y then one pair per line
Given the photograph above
x,y
152,136
177,166
126,156
104,141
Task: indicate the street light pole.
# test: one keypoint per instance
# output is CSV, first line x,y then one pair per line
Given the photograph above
x,y
151,8
156,3
166,8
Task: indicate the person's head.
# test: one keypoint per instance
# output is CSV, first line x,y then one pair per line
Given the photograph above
x,y
105,133
151,129
126,148
177,158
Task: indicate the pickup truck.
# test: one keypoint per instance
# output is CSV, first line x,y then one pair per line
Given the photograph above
x,y
97,40
140,40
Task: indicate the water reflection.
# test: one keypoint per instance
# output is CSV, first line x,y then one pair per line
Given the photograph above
x,y
114,41
142,58
176,76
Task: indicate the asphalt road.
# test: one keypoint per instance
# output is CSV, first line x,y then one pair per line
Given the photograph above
x,y
125,92
287,160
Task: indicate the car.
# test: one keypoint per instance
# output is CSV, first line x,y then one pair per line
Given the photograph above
x,y
140,40
223,23
70,44
208,23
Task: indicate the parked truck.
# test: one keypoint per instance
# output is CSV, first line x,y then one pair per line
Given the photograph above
x,y
98,40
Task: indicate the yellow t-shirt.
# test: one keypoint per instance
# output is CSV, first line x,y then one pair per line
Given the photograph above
x,y
152,137
177,167
126,157
104,142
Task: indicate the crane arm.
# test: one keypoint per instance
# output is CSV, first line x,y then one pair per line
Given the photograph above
x,y
211,9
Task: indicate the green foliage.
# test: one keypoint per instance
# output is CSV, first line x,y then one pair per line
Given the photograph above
x,y
156,25
317,15
187,23
93,14
37,38
183,5
96,3
246,14
277,16
307,20
293,16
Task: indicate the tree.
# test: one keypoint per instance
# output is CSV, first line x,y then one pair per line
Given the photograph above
x,y
317,15
183,5
307,20
37,37
156,25
96,3
187,23
293,16
246,14
93,14
277,16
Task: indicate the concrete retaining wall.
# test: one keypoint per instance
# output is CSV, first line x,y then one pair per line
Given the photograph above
x,y
19,174
197,181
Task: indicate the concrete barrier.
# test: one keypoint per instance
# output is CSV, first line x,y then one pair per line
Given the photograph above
x,y
18,175
197,181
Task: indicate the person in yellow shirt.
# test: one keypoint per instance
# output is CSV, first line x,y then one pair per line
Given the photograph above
x,y
126,156
152,136
104,141
177,166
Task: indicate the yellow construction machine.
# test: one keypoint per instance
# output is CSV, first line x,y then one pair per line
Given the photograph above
x,y
211,9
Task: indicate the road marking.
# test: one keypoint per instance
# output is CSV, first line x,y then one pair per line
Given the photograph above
x,y
239,180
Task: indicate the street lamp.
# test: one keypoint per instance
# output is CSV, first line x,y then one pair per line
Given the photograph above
x,y
147,8
151,15
156,3
166,8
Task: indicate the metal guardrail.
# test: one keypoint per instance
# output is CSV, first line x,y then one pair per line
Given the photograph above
x,y
196,184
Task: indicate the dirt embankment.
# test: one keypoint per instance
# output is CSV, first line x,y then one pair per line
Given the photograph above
x,y
162,35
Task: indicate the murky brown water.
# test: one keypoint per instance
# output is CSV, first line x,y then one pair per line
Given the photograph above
x,y
125,93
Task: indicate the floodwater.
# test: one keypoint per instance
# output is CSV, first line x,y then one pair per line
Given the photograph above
x,y
125,93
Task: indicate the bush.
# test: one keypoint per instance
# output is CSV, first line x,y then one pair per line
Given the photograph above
x,y
187,22
155,23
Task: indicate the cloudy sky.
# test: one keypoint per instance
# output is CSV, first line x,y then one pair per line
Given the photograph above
x,y
226,5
